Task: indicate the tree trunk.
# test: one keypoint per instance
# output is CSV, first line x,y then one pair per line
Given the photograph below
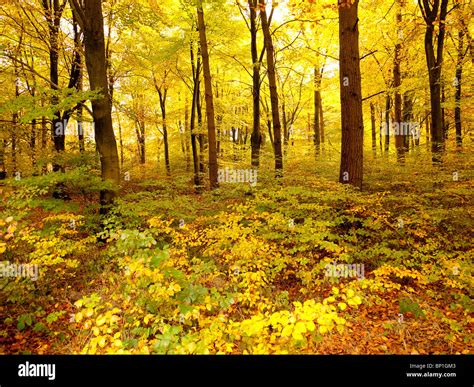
x,y
196,69
444,123
80,123
457,85
397,82
33,143
273,90
374,129
211,125
15,119
3,170
435,15
13,143
317,116
186,130
351,170
388,105
408,118
53,11
321,117
256,137
120,139
140,132
91,20
286,135
428,127
163,94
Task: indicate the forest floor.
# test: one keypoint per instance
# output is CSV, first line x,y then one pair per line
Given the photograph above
x,y
246,269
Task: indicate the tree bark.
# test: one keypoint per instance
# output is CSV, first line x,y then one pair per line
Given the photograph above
x,y
53,10
195,72
211,124
91,20
351,170
457,85
186,130
388,105
163,94
408,117
273,89
321,117
374,129
256,136
317,115
435,14
397,82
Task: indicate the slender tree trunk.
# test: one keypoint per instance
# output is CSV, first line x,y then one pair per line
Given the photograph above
x,y
374,129
388,105
33,143
196,69
351,170
186,130
317,116
273,90
163,94
428,127
120,139
80,123
53,11
3,170
91,20
408,117
380,133
321,116
256,137
200,136
284,117
13,142
15,119
211,125
397,82
435,15
140,132
79,73
457,85
218,119
444,123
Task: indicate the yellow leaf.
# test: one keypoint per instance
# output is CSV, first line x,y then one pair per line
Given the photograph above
x,y
102,342
342,305
100,321
300,327
323,329
297,335
287,331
